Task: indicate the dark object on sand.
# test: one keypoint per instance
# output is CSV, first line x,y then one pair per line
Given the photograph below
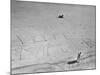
x,y
61,16
72,62
75,61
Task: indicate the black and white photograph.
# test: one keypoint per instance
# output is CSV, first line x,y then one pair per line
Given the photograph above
x,y
52,37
